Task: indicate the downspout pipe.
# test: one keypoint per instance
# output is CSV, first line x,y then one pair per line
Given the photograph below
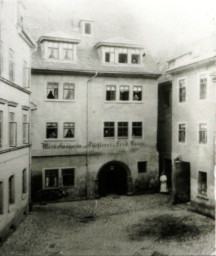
x,y
87,128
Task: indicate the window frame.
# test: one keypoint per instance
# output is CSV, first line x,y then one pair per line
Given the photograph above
x,y
60,177
111,96
24,181
1,197
69,138
128,92
67,89
25,125
11,65
120,55
132,125
90,28
109,127
51,48
48,92
179,93
206,88
56,130
12,143
206,133
135,54
185,136
122,137
11,190
137,86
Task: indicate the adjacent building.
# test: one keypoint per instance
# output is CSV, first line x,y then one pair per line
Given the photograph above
x,y
193,126
15,63
94,130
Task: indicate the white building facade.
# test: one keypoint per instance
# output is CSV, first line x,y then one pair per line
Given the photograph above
x,y
15,63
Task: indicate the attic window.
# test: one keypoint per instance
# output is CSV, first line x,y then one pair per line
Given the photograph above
x,y
123,58
88,28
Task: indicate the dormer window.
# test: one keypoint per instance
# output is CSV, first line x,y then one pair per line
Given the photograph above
x,y
58,48
53,50
123,58
86,27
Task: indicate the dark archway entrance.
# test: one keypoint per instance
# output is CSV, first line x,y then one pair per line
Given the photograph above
x,y
114,178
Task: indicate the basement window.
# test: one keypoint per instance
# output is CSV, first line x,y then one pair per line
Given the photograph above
x,y
51,178
68,177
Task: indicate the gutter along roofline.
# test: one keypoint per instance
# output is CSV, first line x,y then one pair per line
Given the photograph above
x,y
199,62
38,71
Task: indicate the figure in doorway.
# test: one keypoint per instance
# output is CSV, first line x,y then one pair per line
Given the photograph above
x,y
163,183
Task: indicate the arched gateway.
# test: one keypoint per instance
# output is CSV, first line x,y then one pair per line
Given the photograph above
x,y
113,178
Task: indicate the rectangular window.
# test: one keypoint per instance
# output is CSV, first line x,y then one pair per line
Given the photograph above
x,y
1,57
68,51
202,133
135,58
12,130
137,129
51,130
24,181
53,50
51,178
11,190
88,28
137,93
107,57
123,58
25,75
123,129
142,167
203,87
1,128
68,177
111,92
68,93
109,129
68,130
25,130
181,133
11,65
124,93
202,183
1,198
52,91
182,90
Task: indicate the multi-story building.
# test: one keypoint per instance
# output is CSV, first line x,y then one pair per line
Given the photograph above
x,y
95,127
15,59
193,126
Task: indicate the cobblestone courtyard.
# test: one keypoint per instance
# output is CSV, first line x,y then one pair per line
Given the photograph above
x,y
137,225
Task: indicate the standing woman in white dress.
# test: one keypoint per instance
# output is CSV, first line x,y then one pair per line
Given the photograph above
x,y
163,183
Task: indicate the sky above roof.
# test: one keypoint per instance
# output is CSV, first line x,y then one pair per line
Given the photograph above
x,y
166,27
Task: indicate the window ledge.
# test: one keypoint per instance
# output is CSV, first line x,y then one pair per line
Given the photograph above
x,y
204,197
59,140
123,102
47,100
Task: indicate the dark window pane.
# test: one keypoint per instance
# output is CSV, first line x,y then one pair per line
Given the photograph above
x,y
11,190
142,167
122,129
51,178
137,93
51,130
107,57
109,129
110,93
123,58
137,129
202,186
124,92
135,59
68,177
87,28
68,130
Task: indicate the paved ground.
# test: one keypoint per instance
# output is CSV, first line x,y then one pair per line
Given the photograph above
x,y
137,225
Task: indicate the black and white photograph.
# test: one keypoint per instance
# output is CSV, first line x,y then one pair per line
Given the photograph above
x,y
107,127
